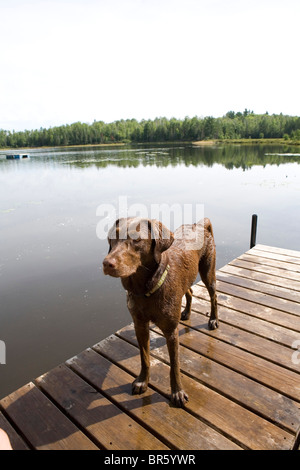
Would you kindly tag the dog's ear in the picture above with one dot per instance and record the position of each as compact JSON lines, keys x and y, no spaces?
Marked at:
{"x":162,"y":238}
{"x":113,"y":232}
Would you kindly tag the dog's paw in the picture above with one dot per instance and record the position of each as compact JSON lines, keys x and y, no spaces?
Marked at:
{"x":185,"y":314}
{"x":139,"y":387}
{"x":213,"y":324}
{"x":179,"y":399}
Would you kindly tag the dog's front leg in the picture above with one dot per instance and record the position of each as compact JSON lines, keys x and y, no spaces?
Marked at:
{"x":142,"y":333}
{"x":178,"y":395}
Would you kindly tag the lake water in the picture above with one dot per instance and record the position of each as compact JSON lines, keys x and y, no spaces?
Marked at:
{"x":54,"y":299}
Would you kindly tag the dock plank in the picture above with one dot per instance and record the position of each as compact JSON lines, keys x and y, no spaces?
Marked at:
{"x":259,"y":298}
{"x":272,"y":405}
{"x":248,"y":270}
{"x":258,"y":286}
{"x":241,"y":360}
{"x":178,"y":429}
{"x":108,"y":426}
{"x":247,"y":307}
{"x":243,"y":379}
{"x":252,"y":263}
{"x":286,"y":258}
{"x":16,"y":440}
{"x":217,"y":410}
{"x":287,"y":269}
{"x":254,"y":325}
{"x":281,"y":251}
{"x":44,"y":425}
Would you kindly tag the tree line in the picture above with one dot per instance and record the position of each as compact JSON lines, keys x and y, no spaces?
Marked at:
{"x":240,"y":125}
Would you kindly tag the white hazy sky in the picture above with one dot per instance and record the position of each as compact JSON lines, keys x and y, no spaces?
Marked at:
{"x":63,"y":61}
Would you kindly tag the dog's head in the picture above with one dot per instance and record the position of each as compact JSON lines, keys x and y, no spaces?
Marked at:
{"x":135,"y":242}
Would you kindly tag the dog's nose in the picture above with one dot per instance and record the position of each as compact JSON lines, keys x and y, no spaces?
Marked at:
{"x":109,"y":264}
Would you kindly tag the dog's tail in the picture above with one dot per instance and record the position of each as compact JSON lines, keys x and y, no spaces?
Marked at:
{"x":208,"y":226}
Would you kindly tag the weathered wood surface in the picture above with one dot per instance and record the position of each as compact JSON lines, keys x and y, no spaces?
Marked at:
{"x":243,"y":379}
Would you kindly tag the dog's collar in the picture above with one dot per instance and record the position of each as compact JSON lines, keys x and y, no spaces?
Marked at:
{"x":160,"y":282}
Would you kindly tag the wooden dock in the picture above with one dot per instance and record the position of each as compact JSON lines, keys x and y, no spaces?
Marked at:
{"x":243,"y":379}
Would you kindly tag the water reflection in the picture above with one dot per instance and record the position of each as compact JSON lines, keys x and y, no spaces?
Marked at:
{"x":229,"y":156}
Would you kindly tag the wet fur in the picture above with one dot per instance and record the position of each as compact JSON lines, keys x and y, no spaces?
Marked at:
{"x":140,"y":263}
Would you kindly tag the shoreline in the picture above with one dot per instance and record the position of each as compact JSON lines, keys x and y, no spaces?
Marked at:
{"x":276,"y":141}
{"x":197,"y":143}
{"x":279,"y":141}
{"x":205,"y":143}
{"x":63,"y":146}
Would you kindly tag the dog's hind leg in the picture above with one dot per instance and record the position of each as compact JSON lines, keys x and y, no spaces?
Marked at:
{"x":208,"y":275}
{"x":186,"y":313}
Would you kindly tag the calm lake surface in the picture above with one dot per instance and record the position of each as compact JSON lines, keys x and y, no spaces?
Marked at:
{"x":54,"y":299}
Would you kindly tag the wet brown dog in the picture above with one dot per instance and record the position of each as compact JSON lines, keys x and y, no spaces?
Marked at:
{"x":157,"y":268}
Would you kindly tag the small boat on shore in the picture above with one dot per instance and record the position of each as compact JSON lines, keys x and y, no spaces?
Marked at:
{"x":19,"y":156}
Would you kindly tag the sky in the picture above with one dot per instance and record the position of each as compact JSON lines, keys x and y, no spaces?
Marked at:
{"x":63,"y":61}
